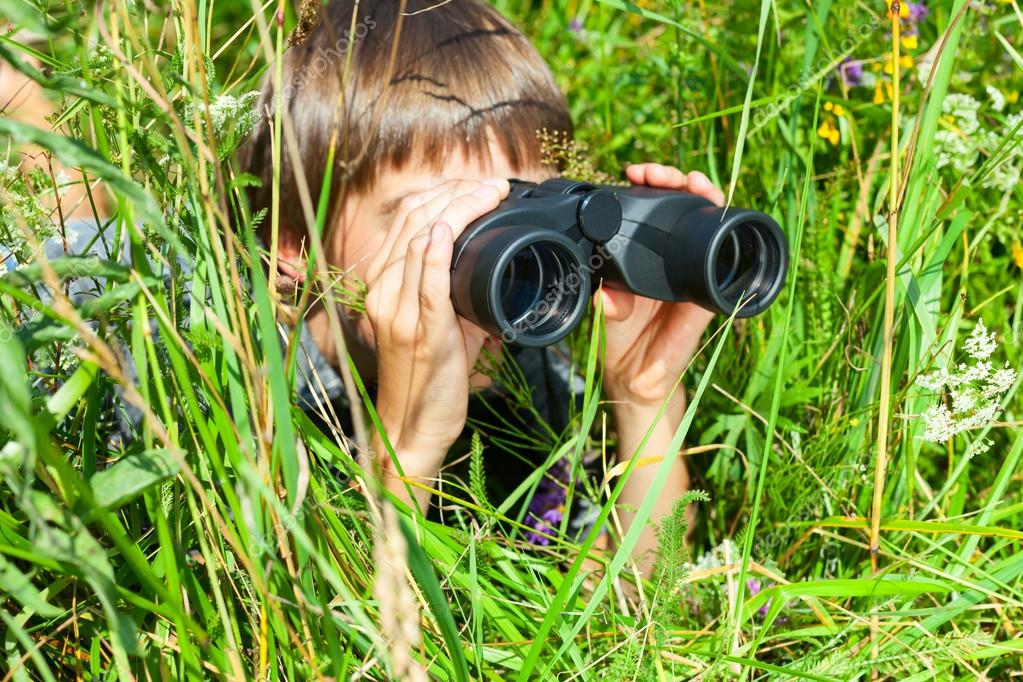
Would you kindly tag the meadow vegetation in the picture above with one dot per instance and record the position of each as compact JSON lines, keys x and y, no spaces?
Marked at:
{"x":858,"y":446}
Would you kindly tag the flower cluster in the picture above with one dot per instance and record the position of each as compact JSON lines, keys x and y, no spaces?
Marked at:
{"x":227,"y":112}
{"x":570,"y":156}
{"x":830,"y":127}
{"x":21,"y":212}
{"x":971,"y":391}
{"x":964,"y":137}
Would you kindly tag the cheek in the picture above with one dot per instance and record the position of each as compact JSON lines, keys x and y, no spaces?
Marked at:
{"x":360,"y":238}
{"x":362,"y":247}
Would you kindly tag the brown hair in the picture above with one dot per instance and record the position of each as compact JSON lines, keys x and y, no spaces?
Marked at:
{"x":427,"y":79}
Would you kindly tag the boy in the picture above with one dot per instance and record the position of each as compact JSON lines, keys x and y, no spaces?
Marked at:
{"x":440,"y":104}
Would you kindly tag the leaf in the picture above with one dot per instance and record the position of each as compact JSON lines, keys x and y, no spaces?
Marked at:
{"x":66,"y":539}
{"x":885,"y":586}
{"x":62,"y":84}
{"x":422,"y":570}
{"x":14,"y":389}
{"x":68,"y":395}
{"x":131,"y":475}
{"x":68,"y":267}
{"x":26,"y":15}
{"x":477,"y":474}
{"x":17,"y":585}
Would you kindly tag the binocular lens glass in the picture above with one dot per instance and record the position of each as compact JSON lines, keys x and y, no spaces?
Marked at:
{"x":538,"y":292}
{"x":531,"y":278}
{"x":739,"y":260}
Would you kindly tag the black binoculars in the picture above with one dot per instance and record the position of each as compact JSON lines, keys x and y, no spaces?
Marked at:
{"x":526,"y":270}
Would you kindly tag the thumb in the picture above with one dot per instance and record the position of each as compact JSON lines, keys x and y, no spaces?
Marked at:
{"x":618,"y":305}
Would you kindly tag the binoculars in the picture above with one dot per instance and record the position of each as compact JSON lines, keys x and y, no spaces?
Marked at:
{"x":526,"y":270}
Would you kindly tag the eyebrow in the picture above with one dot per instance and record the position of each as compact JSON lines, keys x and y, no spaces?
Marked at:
{"x":390,"y":206}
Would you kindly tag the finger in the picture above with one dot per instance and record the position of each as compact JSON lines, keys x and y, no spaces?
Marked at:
{"x":408,"y":204}
{"x":435,"y":309}
{"x":656,"y":175}
{"x":636,"y":173}
{"x":417,"y":211}
{"x":701,"y":185}
{"x":464,"y":209}
{"x":406,"y":314}
{"x":392,"y":261}
{"x":666,"y":177}
{"x":425,"y":214}
{"x":618,"y":305}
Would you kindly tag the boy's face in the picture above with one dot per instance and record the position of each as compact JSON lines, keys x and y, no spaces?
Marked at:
{"x":366,"y":216}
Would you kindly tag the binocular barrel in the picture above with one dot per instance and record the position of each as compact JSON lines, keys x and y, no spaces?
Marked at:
{"x":526,"y":270}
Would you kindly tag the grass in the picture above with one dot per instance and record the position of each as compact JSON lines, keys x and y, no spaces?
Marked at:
{"x":836,"y":541}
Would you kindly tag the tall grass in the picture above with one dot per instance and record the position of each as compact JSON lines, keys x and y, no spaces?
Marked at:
{"x":224,"y":539}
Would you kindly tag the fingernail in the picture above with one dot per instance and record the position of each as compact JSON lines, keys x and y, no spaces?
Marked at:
{"x":439,"y":233}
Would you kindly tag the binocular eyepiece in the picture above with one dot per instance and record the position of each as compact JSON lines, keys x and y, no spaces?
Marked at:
{"x":526,"y":270}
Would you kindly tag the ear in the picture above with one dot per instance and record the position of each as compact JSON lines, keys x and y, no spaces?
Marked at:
{"x":291,"y":253}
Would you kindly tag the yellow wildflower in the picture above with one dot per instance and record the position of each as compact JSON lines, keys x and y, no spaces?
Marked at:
{"x":1012,"y":97}
{"x":829,"y":132}
{"x":909,"y":42}
{"x":1017,"y":254}
{"x":879,"y":94}
{"x":905,"y":61}
{"x":903,"y":8}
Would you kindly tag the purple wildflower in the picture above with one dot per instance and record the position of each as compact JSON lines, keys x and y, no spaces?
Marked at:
{"x":851,"y":72}
{"x":753,"y":585}
{"x":547,"y":508}
{"x":576,"y":27}
{"x":917,"y":11}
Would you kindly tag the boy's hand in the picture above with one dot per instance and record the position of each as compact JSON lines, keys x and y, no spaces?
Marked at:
{"x":424,"y":351}
{"x":650,"y":343}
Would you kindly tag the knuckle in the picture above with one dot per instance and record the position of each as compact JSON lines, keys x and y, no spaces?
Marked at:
{"x":419,"y":215}
{"x":428,"y":299}
{"x":401,"y":332}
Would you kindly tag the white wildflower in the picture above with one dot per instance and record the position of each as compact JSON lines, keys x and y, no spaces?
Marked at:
{"x":934,"y":381}
{"x":61,"y":181}
{"x":979,"y":419}
{"x":938,"y":424}
{"x":1003,"y":177}
{"x":228,"y":110}
{"x":999,"y":382}
{"x":963,"y":109}
{"x":978,"y":447}
{"x":965,"y":400}
{"x":719,"y":556}
{"x":966,"y":374}
{"x":955,"y":150}
{"x":981,"y":343}
{"x":997,"y":98}
{"x":972,"y":392}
